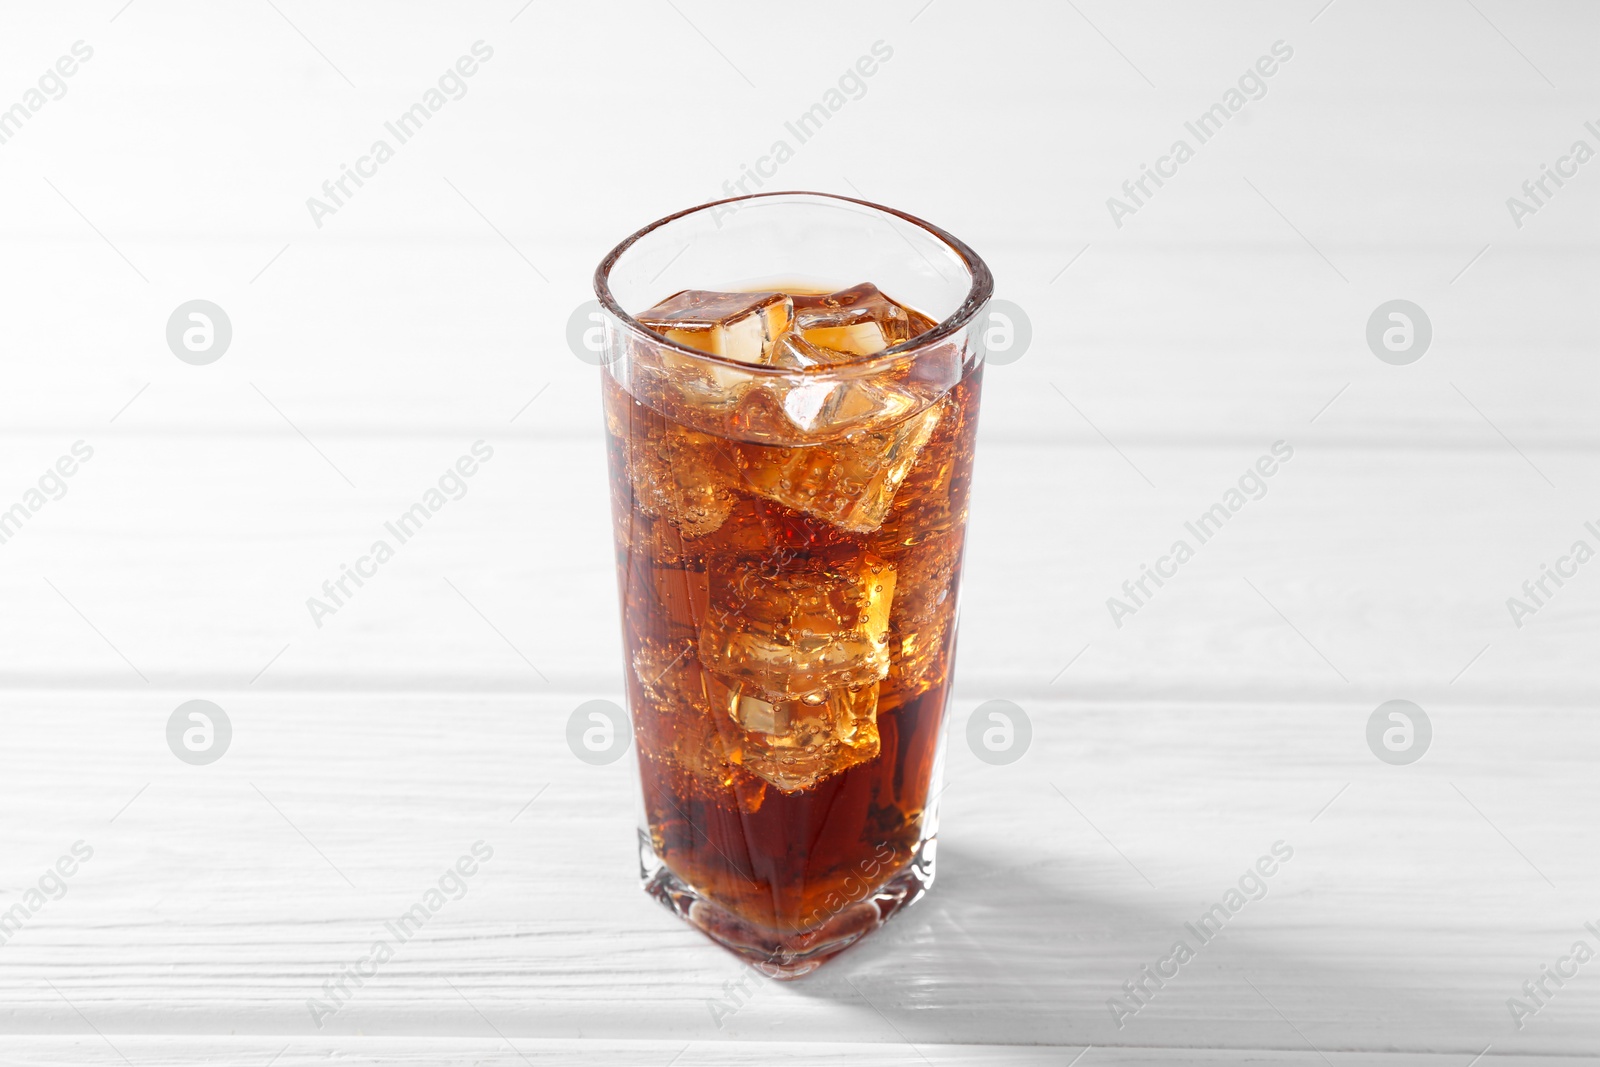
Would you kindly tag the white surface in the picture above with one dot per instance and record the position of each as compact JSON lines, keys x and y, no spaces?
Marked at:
{"x":1188,"y":741}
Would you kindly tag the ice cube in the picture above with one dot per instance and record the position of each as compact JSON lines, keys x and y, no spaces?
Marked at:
{"x":685,"y":477}
{"x":800,"y":627}
{"x":794,"y":352}
{"x":737,"y":326}
{"x":926,"y":578}
{"x":835,"y":407}
{"x":677,"y":728}
{"x":822,"y":406}
{"x":760,"y":713}
{"x":795,"y":743}
{"x":921,"y":657}
{"x":850,"y":482}
{"x":858,"y":321}
{"x":703,"y":748}
{"x":822,"y":717}
{"x":743,"y":327}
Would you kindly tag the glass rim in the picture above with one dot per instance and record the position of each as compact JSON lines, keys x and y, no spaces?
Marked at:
{"x":978,"y":293}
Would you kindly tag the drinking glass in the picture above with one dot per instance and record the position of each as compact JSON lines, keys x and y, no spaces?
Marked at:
{"x":788,"y":544}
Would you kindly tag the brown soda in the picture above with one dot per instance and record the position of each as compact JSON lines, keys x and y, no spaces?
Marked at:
{"x":789,"y":624}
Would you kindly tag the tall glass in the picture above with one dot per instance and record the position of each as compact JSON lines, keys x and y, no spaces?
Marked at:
{"x":789,"y":550}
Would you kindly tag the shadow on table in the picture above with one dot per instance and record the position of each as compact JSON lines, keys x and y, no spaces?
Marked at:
{"x":1008,"y":953}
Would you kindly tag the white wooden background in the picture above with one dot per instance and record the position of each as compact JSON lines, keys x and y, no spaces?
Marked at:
{"x":1167,"y":355}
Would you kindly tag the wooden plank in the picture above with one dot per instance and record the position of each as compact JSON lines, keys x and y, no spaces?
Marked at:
{"x":462,"y":1052}
{"x":1170,"y":752}
{"x":1415,"y":903}
{"x":1362,"y":574}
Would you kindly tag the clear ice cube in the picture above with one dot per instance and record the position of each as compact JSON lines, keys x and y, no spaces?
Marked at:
{"x":858,"y":321}
{"x":801,"y":627}
{"x":743,"y":327}
{"x":835,"y":407}
{"x":850,"y":482}
{"x":737,"y":326}
{"x":822,"y":405}
{"x":793,"y":744}
{"x":794,"y":352}
{"x":684,"y":477}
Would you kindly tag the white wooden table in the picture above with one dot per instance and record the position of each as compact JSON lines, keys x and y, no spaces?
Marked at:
{"x":429,"y":713}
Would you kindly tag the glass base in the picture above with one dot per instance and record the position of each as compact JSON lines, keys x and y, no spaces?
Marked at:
{"x":779,"y":955}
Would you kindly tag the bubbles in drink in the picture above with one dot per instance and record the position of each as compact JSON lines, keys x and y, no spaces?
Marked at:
{"x":790,"y":520}
{"x":850,"y":483}
{"x":685,"y":478}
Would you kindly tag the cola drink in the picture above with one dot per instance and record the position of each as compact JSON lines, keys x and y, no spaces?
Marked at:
{"x":789,"y":607}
